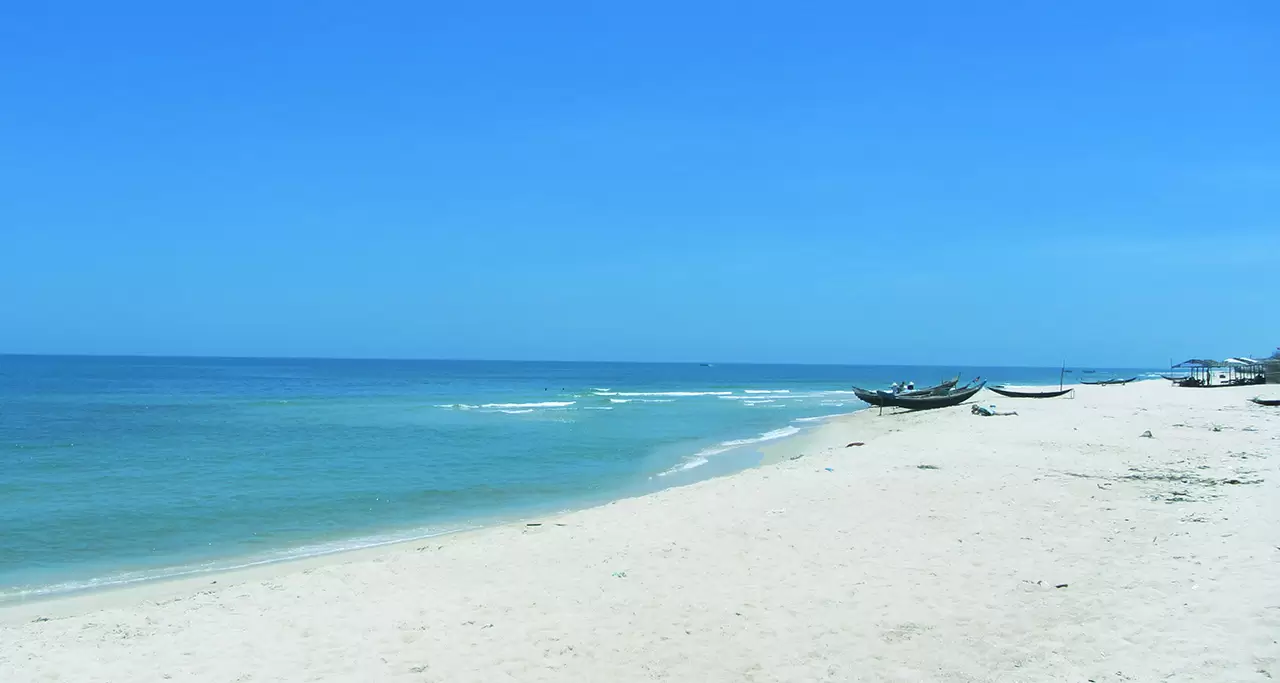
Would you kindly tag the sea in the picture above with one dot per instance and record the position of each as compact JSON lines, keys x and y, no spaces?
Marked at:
{"x":115,"y":470}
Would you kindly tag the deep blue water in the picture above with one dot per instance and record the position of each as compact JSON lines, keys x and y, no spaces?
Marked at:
{"x":118,"y":469}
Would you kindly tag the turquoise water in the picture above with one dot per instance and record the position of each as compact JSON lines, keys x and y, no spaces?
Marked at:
{"x":124,"y":469}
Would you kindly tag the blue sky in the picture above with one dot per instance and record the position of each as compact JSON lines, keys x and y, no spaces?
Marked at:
{"x":975,"y":182}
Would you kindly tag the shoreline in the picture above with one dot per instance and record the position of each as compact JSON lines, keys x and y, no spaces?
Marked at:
{"x":231,"y":565}
{"x":154,"y":588}
{"x":772,"y":452}
{"x":1057,"y":544}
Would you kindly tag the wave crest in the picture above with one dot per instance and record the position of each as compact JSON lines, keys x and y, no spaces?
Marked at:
{"x":700,"y":458}
{"x":677,"y":394}
{"x":543,"y":404}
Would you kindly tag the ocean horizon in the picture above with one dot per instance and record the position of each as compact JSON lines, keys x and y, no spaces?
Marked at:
{"x":120,"y":469}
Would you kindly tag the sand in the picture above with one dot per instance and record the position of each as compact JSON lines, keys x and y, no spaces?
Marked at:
{"x":1055,"y":545}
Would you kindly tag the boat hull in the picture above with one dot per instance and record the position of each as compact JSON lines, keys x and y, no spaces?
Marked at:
{"x":878,"y":398}
{"x":1013,"y":393}
{"x":930,"y":402}
{"x":872,"y":397}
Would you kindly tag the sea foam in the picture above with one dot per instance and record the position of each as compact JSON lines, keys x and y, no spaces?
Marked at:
{"x":544,"y":404}
{"x":677,"y":394}
{"x":700,"y":458}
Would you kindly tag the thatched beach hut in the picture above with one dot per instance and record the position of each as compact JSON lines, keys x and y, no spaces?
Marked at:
{"x":1217,"y":373}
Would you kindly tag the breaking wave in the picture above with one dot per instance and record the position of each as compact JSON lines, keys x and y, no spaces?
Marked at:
{"x":544,"y":404}
{"x":677,"y":394}
{"x":700,"y":458}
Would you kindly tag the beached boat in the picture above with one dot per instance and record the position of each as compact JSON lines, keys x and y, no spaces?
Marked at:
{"x":872,"y":397}
{"x":1015,"y":393}
{"x":951,"y":398}
{"x":1176,"y":378}
{"x":1108,"y":382}
{"x":933,"y":390}
{"x":882,"y":397}
{"x":877,"y":398}
{"x":1273,"y":402}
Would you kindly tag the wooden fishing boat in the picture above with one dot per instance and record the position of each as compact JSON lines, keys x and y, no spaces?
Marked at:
{"x":951,"y":398}
{"x":1109,"y":382}
{"x":876,"y":398}
{"x":934,"y":390}
{"x":1272,"y":402}
{"x":872,"y":397}
{"x":1015,"y":393}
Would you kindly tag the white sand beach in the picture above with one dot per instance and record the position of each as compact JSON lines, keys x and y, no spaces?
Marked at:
{"x":1055,"y":545}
